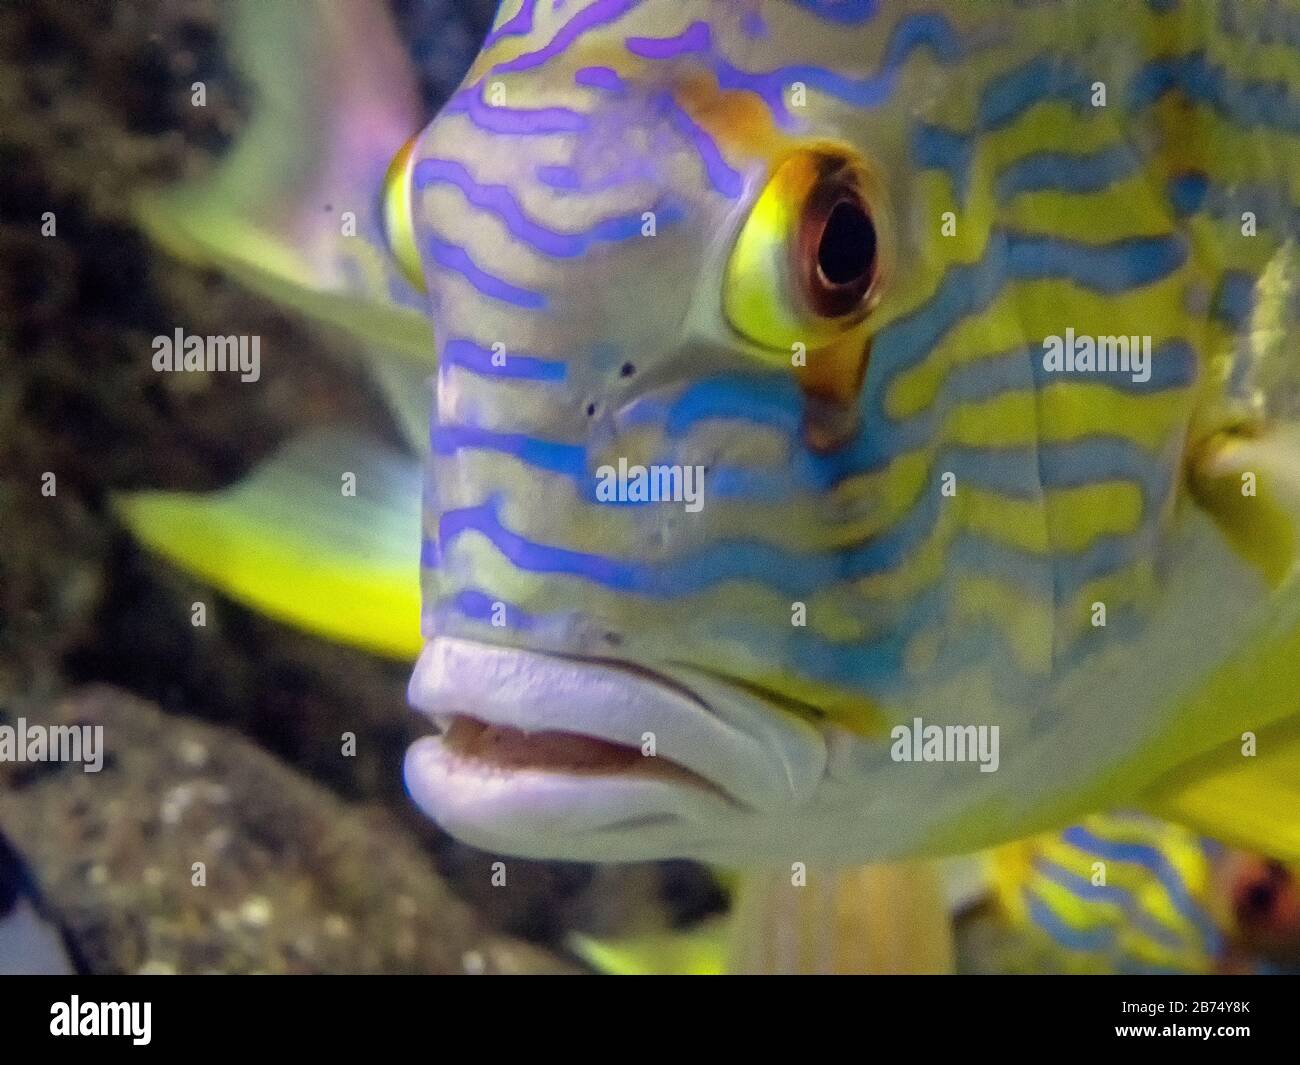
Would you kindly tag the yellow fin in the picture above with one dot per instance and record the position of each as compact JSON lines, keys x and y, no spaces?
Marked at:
{"x":698,"y":951}
{"x":289,"y":541}
{"x":1250,"y":801}
{"x":875,"y":919}
{"x":1249,"y":482}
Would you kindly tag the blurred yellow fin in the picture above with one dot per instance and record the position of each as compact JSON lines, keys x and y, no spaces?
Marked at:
{"x":698,"y":951}
{"x":1249,"y":800}
{"x":1250,"y":484}
{"x":290,"y":541}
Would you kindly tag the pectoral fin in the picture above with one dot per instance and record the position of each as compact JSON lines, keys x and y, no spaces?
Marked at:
{"x":1249,"y":483}
{"x":1246,"y":793}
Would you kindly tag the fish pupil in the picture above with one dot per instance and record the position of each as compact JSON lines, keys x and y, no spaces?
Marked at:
{"x":846,"y":252}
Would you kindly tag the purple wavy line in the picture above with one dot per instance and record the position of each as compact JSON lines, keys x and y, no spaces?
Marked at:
{"x":697,"y":37}
{"x":721,"y":176}
{"x":469,"y":101}
{"x":454,"y":257}
{"x":501,"y":202}
{"x":520,"y":24}
{"x":600,"y":13}
{"x":477,"y":359}
{"x":600,"y":78}
{"x":527,"y":555}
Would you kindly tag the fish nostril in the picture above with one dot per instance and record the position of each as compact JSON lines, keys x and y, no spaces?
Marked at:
{"x":591,"y":410}
{"x":628,"y":370}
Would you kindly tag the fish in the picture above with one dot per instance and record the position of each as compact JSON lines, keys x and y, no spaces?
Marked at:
{"x":950,"y":584}
{"x":1123,"y":893}
{"x":1117,"y":893}
{"x":1128,"y":893}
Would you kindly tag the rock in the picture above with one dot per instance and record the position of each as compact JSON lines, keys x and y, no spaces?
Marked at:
{"x":192,"y":851}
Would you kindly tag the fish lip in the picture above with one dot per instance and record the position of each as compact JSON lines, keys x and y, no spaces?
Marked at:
{"x":754,"y":756}
{"x":544,"y":814}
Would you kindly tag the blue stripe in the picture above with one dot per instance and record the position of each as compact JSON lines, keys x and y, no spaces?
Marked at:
{"x":476,"y":605}
{"x":848,"y":12}
{"x":934,"y":147}
{"x":1149,"y":858}
{"x":1042,"y":79}
{"x":1187,"y":193}
{"x":800,"y":573}
{"x":1084,"y":889}
{"x":455,"y":258}
{"x":501,"y":203}
{"x":1243,"y":101}
{"x":1088,"y":941}
{"x":513,"y":120}
{"x":930,"y":32}
{"x":568,"y":460}
{"x":1067,"y":171}
{"x":969,"y":289}
{"x":721,"y":175}
{"x":1234,"y":299}
{"x":470,"y":356}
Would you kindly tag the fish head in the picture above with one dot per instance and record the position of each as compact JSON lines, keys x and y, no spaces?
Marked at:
{"x":640,"y":280}
{"x":742,"y":457}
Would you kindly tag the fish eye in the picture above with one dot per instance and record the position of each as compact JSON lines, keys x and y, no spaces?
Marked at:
{"x":841,"y":256}
{"x":1259,"y":900}
{"x":808,"y":263}
{"x":1258,"y":896}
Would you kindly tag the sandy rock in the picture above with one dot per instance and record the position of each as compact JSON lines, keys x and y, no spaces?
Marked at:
{"x":297,"y":880}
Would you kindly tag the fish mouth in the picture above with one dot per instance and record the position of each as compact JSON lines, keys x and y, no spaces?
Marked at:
{"x":556,"y":756}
